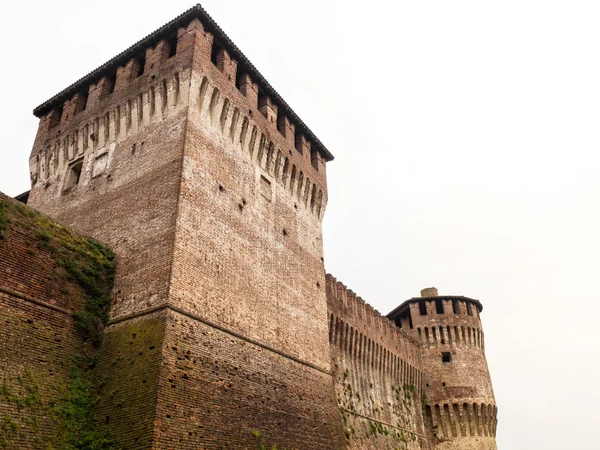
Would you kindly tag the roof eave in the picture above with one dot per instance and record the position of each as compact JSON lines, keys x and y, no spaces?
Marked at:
{"x":166,"y":30}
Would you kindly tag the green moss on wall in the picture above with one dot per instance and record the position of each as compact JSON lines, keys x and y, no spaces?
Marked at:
{"x":127,"y":380}
{"x":84,"y":270}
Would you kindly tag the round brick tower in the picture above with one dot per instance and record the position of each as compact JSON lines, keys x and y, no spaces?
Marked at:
{"x":460,"y":408}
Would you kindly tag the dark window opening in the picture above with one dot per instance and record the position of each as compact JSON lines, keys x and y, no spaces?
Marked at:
{"x":172,"y":46}
{"x":469,"y":309}
{"x":74,"y":174}
{"x":446,"y":357}
{"x":455,"y":306}
{"x":214,"y":52}
{"x":439,"y":306}
{"x":84,"y":101}
{"x":238,"y":79}
{"x":298,"y":143}
{"x":111,"y":83}
{"x":55,"y":116}
{"x":422,"y":308}
{"x":142,"y":62}
{"x":281,"y":125}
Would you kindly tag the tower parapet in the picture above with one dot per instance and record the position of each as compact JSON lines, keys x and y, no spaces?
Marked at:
{"x":377,"y":373}
{"x":460,"y":407}
{"x":211,"y":190}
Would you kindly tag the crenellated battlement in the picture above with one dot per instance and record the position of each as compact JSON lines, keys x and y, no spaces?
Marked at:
{"x":232,"y":99}
{"x":180,"y":156}
{"x":454,"y":420}
{"x":230,"y":116}
{"x":358,"y":328}
{"x":89,"y":135}
{"x":377,"y":371}
{"x":146,"y":55}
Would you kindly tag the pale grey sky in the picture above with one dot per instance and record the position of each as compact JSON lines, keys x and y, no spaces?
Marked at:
{"x":466,"y":136}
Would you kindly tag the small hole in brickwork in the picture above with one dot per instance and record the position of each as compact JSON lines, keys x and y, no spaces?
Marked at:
{"x":143,"y":381}
{"x":322,"y":260}
{"x":427,"y":385}
{"x":240,"y":207}
{"x":107,"y":419}
{"x":29,"y":321}
{"x":295,"y":206}
{"x":151,"y":347}
{"x":221,"y":188}
{"x":168,"y":416}
{"x":153,"y":77}
{"x":249,"y":112}
{"x":318,"y":284}
{"x":284,"y":232}
{"x":244,"y":201}
{"x":92,"y":137}
{"x":133,"y":149}
{"x":444,"y":384}
{"x":446,"y":357}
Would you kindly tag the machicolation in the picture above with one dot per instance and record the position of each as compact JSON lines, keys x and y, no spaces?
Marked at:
{"x":198,"y":313}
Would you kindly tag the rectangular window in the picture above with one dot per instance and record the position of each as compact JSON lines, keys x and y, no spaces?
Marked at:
{"x":265,"y":188}
{"x":74,"y":174}
{"x":446,"y":357}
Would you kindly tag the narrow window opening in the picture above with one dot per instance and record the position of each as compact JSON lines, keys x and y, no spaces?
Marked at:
{"x":314,"y":159}
{"x":215,"y":51}
{"x":111,"y":83}
{"x":281,"y":125}
{"x":469,"y":309}
{"x":84,"y":101}
{"x":446,"y":357}
{"x":142,"y":60}
{"x":74,"y":175}
{"x":238,"y":79}
{"x":172,"y":46}
{"x":439,"y":306}
{"x":422,"y":308}
{"x":455,"y":306}
{"x":298,"y":143}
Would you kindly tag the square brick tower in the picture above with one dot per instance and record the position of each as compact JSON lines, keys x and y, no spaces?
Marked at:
{"x":211,"y":190}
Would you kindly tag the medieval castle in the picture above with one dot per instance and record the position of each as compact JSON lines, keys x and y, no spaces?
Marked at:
{"x":213,"y":324}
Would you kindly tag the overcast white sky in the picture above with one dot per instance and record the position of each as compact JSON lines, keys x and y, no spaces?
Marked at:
{"x":466,"y":136}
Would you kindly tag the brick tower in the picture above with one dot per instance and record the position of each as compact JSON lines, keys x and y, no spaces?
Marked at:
{"x":460,"y":408}
{"x":211,"y":190}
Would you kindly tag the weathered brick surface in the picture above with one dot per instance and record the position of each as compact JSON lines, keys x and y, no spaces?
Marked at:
{"x":130,"y":362}
{"x":211,"y":210}
{"x":218,"y":390}
{"x":378,"y":375}
{"x":37,"y":337}
{"x":460,"y":406}
{"x":127,"y":193}
{"x":224,"y":331}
